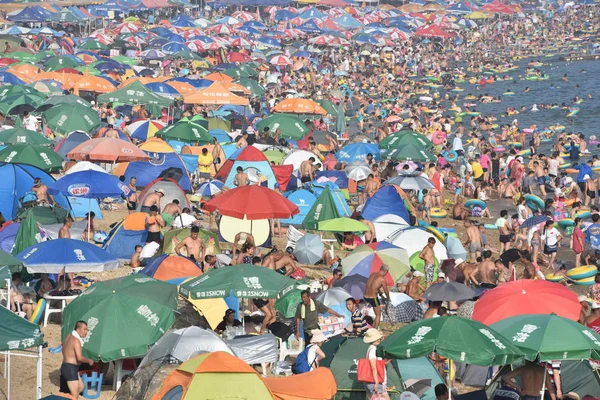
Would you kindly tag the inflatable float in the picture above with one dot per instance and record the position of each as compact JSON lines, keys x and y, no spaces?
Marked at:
{"x":585,"y":271}
{"x":534,"y":202}
{"x":438,"y":213}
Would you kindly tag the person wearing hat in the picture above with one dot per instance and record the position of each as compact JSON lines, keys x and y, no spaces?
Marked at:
{"x":585,"y":306}
{"x":229,"y":320}
{"x":373,"y":337}
{"x":315,"y":354}
{"x":240,"y":240}
{"x":152,"y":199}
{"x":41,"y":192}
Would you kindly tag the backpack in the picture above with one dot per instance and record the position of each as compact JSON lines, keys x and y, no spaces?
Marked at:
{"x":301,"y":366}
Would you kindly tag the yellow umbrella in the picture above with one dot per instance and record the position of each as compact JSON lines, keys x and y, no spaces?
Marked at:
{"x":476,"y":15}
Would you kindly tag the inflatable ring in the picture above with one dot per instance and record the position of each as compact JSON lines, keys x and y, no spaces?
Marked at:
{"x":534,"y":202}
{"x":564,"y":166}
{"x":515,"y":144}
{"x":423,"y":224}
{"x":596,"y":168}
{"x":36,"y":317}
{"x":451,"y":156}
{"x":585,"y":271}
{"x":475,"y":203}
{"x":571,"y":171}
{"x":554,"y":278}
{"x":436,"y":232}
{"x":586,"y":281}
{"x":499,"y":149}
{"x":438,"y":213}
{"x":438,"y":138}
{"x":425,"y":98}
{"x":526,"y":152}
{"x":566,"y":222}
{"x":584,"y":214}
{"x":490,"y":227}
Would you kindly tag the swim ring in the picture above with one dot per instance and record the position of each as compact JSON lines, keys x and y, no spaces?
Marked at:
{"x":438,"y":137}
{"x":451,"y":156}
{"x":499,"y":149}
{"x":534,"y":202}
{"x":554,"y":278}
{"x":490,"y":226}
{"x":564,"y":166}
{"x":475,"y":203}
{"x":526,"y":152}
{"x":36,"y":317}
{"x":438,"y":213}
{"x":425,"y":98}
{"x":515,"y":144}
{"x":436,"y":232}
{"x":584,"y":214}
{"x":586,"y":281}
{"x":566,"y":222}
{"x":423,"y":224}
{"x":585,"y":271}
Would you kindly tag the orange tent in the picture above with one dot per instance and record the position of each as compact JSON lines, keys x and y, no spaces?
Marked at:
{"x":299,"y":106}
{"x":135,"y":221}
{"x":216,"y":94}
{"x":182,"y":87}
{"x":317,"y":384}
{"x":218,"y":76}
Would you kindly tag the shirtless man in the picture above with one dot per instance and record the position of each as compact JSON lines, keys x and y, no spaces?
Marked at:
{"x":153,"y":199}
{"x":375,"y":285}
{"x":153,"y":223}
{"x":532,"y":381}
{"x":466,"y":271}
{"x":487,"y":272}
{"x":280,"y":262}
{"x":306,"y":172}
{"x":17,"y":297}
{"x":460,"y":212}
{"x":590,"y":190}
{"x":135,"y":258}
{"x":133,"y":196}
{"x":65,"y":230}
{"x":240,"y":239}
{"x":428,"y":257}
{"x":412,"y":288}
{"x":194,"y":245}
{"x":473,"y":240}
{"x":371,"y":187}
{"x":111,"y":132}
{"x":426,"y":206}
{"x":510,"y":190}
{"x":504,"y":230}
{"x":432,"y":310}
{"x":41,"y":192}
{"x":171,"y":211}
{"x":242,"y":141}
{"x":73,"y":357}
{"x":241,"y":178}
{"x":370,"y":236}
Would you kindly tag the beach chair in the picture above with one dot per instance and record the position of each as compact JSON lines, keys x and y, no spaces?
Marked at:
{"x":293,"y":235}
{"x":286,"y":347}
{"x":92,"y":382}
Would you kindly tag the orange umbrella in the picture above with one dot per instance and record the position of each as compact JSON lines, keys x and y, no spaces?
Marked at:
{"x":182,"y":87}
{"x":236,"y":87}
{"x":143,"y":80}
{"x":93,"y":84}
{"x":218,"y":76}
{"x":24,"y":77}
{"x":29,"y":70}
{"x":299,"y":106}
{"x":68,"y":80}
{"x":107,"y":150}
{"x":216,"y":93}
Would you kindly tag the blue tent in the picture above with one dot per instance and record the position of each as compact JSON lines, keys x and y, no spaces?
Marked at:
{"x":310,"y":26}
{"x":340,"y":178}
{"x":184,"y":21}
{"x":459,"y":8}
{"x":220,"y":135}
{"x":386,"y":200}
{"x":8,"y":235}
{"x":346,"y":21}
{"x":160,"y":163}
{"x":251,"y":160}
{"x":110,"y":5}
{"x":304,"y":200}
{"x":31,"y":14}
{"x":121,"y":241}
{"x":17,"y":180}
{"x":312,"y":12}
{"x":68,"y":143}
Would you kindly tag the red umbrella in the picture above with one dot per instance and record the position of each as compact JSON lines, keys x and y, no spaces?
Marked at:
{"x":107,"y":150}
{"x":252,"y":202}
{"x":526,"y":297}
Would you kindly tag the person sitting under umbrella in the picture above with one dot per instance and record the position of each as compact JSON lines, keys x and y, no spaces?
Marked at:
{"x":229,"y":320}
{"x":284,"y":263}
{"x":20,"y":301}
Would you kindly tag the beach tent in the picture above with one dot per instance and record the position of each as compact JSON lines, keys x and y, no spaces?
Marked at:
{"x":172,"y":191}
{"x":69,"y":142}
{"x":304,"y":200}
{"x":8,"y":233}
{"x":166,"y":268}
{"x":173,"y":237}
{"x":338,"y":197}
{"x":316,"y":384}
{"x":125,"y":235}
{"x":413,"y":240}
{"x":253,"y":161}
{"x":420,"y":368}
{"x":335,"y":176}
{"x":387,"y":200}
{"x":323,"y":208}
{"x":161,"y":165}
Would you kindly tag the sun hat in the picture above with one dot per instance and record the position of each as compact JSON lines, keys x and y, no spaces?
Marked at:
{"x":317,"y":336}
{"x":162,"y":191}
{"x":372,"y":335}
{"x":418,"y":274}
{"x":595,"y":305}
{"x":243,"y":238}
{"x":581,"y":298}
{"x":458,"y":261}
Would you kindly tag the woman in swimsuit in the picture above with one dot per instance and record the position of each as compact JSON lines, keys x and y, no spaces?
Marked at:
{"x":248,"y":251}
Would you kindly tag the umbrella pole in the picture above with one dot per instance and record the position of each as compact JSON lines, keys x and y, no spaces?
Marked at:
{"x":449,"y":379}
{"x":39,"y":373}
{"x":8,"y":375}
{"x":89,"y":220}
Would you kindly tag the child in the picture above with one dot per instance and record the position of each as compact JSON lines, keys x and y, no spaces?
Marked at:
{"x":426,"y":206}
{"x":135,"y":258}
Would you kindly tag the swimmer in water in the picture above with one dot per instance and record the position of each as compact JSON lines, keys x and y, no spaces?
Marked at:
{"x":565,"y":78}
{"x":534,"y":108}
{"x":527,"y":90}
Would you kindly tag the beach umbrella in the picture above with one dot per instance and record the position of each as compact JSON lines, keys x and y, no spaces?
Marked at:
{"x":93,"y":45}
{"x":342,"y":224}
{"x":186,"y":131}
{"x":61,"y":62}
{"x":358,"y":152}
{"x":143,"y":129}
{"x":38,"y":156}
{"x":402,"y":138}
{"x":63,"y":99}
{"x":16,"y":333}
{"x":291,"y":127}
{"x":281,"y":60}
{"x":242,"y":281}
{"x":48,"y":87}
{"x":288,"y":304}
{"x":543,"y":337}
{"x":534,"y":221}
{"x":309,"y":249}
{"x":89,"y":184}
{"x":455,"y":248}
{"x":449,"y":291}
{"x":333,"y":297}
{"x":152,"y":54}
{"x":252,"y":203}
{"x":452,"y":337}
{"x":107,"y":150}
{"x":12,"y":90}
{"x":253,"y":86}
{"x":210,"y":188}
{"x":18,"y":104}
{"x":411,"y":181}
{"x":64,"y":118}
{"x":410,"y":152}
{"x":68,"y":255}
{"x":125,"y":316}
{"x":22,"y":136}
{"x":526,"y":296}
{"x":358,"y":171}
{"x":367,"y":259}
{"x":299,"y":106}
{"x":353,"y":284}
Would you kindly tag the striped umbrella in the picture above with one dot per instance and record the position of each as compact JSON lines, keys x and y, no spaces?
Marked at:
{"x":144,"y":129}
{"x":281,"y":60}
{"x":368,"y":258}
{"x":210,"y":188}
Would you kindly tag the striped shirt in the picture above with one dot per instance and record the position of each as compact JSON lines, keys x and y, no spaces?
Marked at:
{"x":359,"y":325}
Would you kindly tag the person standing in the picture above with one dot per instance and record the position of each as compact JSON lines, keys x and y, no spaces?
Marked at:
{"x":428,"y":257}
{"x":551,"y":236}
{"x":532,"y":381}
{"x":375,"y":285}
{"x":577,"y":242}
{"x":205,"y":161}
{"x":308,"y":312}
{"x":72,"y":352}
{"x":373,"y":337}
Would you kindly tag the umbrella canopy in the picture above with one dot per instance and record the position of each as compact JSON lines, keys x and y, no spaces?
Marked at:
{"x":252,"y":203}
{"x":107,"y":150}
{"x":402,"y":138}
{"x":11,"y":262}
{"x":17,"y":333}
{"x":534,"y":221}
{"x":64,"y":99}
{"x":291,"y":127}
{"x":38,"y":156}
{"x":144,"y":129}
{"x":210,"y":188}
{"x":526,"y":297}
{"x":367,"y":259}
{"x":242,"y":281}
{"x":357,"y":152}
{"x":353,"y":284}
{"x":186,"y":131}
{"x":299,"y":106}
{"x":65,"y":118}
{"x":89,"y":184}
{"x":334,"y":296}
{"x":410,"y":152}
{"x":449,"y":291}
{"x":543,"y":337}
{"x":342,"y":224}
{"x":411,"y":182}
{"x":453,"y":337}
{"x":358,"y":171}
{"x":288,"y":304}
{"x":309,"y":249}
{"x":70,"y":255}
{"x":455,"y":248}
{"x":125,"y":316}
{"x":18,"y":104}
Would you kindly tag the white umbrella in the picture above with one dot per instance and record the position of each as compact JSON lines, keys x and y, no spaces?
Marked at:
{"x":412,"y":181}
{"x":358,"y":171}
{"x":334,"y":296}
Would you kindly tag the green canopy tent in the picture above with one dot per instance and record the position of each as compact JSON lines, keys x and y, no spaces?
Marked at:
{"x":66,"y":16}
{"x":14,"y":90}
{"x":135,"y":93}
{"x":323,"y":209}
{"x":18,"y":338}
{"x":59,"y":62}
{"x":94,"y":45}
{"x":291,"y":127}
{"x":187,"y":132}
{"x":38,"y":156}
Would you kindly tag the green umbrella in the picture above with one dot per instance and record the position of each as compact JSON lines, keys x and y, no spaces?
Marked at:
{"x":21,"y":135}
{"x":402,"y":138}
{"x":22,"y":55}
{"x":125,"y":316}
{"x":340,"y":121}
{"x":68,"y":99}
{"x":547,"y":337}
{"x":256,"y":88}
{"x":249,"y":69}
{"x":291,"y":126}
{"x":17,"y":333}
{"x":135,"y":93}
{"x":60,"y":62}
{"x":20,"y":103}
{"x":186,"y":131}
{"x":65,"y":118}
{"x":456,"y":338}
{"x":410,"y":152}
{"x":236,"y":73}
{"x":125,"y":60}
{"x":65,"y":16}
{"x":342,"y":224}
{"x":328,"y":106}
{"x":288,"y":304}
{"x":93,"y":45}
{"x":38,"y":156}
{"x":185,"y":55}
{"x":14,"y":90}
{"x":9,"y":261}
{"x":243,"y":281}
{"x":89,"y":69}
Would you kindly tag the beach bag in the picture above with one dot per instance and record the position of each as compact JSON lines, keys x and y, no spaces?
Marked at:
{"x":301,"y":366}
{"x":364,"y":372}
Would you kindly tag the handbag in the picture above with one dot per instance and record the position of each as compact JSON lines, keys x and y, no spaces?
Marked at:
{"x":365,"y":371}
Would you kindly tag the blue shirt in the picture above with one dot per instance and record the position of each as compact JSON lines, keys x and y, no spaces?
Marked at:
{"x":592,"y":236}
{"x":584,"y":170}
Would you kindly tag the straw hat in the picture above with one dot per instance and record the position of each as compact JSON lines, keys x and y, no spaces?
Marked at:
{"x":372,"y":335}
{"x":317,"y":336}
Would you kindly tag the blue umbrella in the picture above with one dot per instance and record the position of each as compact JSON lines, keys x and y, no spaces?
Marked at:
{"x":535,"y":220}
{"x":284,"y":15}
{"x":455,"y":248}
{"x":301,"y":53}
{"x":270,"y":42}
{"x":255,"y":25}
{"x":309,"y":249}
{"x":68,"y":255}
{"x":363,"y":38}
{"x":162,"y":89}
{"x":111,"y":66}
{"x":249,"y":30}
{"x":158,"y":42}
{"x":89,"y":185}
{"x":220,"y":135}
{"x":173,"y":47}
{"x":210,"y":188}
{"x":353,"y":284}
{"x":358,"y":152}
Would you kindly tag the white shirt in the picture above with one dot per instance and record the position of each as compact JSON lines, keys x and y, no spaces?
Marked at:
{"x":30,"y":123}
{"x":553,"y":167}
{"x":149,"y":250}
{"x":522,"y":211}
{"x":551,"y":236}
{"x":184,"y":220}
{"x":457,"y":144}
